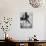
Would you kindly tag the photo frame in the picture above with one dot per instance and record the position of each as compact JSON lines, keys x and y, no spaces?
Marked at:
{"x":26,"y":20}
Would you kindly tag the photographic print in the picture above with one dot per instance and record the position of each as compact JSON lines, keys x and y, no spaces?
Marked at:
{"x":26,"y":20}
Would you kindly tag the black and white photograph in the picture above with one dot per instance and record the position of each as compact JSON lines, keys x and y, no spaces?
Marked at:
{"x":26,"y":20}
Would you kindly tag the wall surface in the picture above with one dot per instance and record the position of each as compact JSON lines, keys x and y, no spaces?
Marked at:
{"x":13,"y":8}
